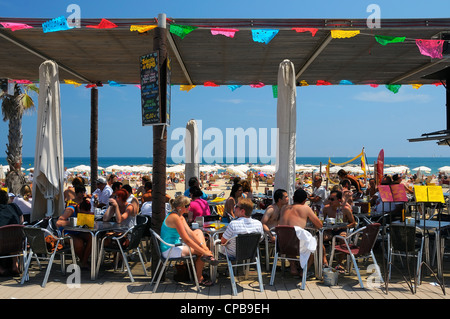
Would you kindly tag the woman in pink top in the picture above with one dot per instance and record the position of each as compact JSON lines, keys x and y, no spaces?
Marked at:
{"x":199,"y":206}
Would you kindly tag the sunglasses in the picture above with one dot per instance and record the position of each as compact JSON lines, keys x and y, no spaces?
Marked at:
{"x":187,"y":206}
{"x":237,"y":206}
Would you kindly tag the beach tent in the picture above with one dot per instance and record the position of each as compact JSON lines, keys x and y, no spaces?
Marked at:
{"x":192,"y":158}
{"x":286,"y":126}
{"x":48,"y":179}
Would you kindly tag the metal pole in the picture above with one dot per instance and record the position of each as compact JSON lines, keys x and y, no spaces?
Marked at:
{"x":94,"y":139}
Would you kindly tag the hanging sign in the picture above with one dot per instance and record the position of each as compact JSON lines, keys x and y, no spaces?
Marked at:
{"x":154,"y":87}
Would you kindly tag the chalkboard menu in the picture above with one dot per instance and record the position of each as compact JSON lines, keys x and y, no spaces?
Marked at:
{"x":155,"y":86}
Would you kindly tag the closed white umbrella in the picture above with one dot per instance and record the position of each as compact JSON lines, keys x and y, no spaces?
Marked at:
{"x":48,"y":179}
{"x":192,"y":158}
{"x":286,"y":125}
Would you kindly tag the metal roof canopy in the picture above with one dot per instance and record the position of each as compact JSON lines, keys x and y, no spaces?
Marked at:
{"x":90,"y":55}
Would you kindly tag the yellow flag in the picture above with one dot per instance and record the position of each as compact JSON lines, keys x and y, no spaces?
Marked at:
{"x":72,"y":82}
{"x":416,"y":86}
{"x":142,"y":28}
{"x":186,"y":88}
{"x":303,"y":83}
{"x":339,"y":34}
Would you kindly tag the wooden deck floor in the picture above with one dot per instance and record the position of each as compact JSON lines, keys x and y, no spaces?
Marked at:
{"x":116,"y":285}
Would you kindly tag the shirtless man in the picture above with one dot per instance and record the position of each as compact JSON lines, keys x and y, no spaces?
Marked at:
{"x":298,"y":215}
{"x":272,"y":213}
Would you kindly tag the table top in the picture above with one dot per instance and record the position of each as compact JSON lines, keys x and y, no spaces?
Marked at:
{"x":98,"y":226}
{"x":207,"y":227}
{"x":428,"y":223}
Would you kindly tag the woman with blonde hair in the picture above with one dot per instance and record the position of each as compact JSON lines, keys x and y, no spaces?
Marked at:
{"x":175,"y":227}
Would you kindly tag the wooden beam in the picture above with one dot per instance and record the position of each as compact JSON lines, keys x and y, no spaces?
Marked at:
{"x":315,"y":54}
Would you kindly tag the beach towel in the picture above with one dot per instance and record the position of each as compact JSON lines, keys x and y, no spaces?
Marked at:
{"x":308,"y":245}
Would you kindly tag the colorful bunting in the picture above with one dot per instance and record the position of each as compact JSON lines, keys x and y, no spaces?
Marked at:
{"x":384,"y":39}
{"x":374,"y":85}
{"x":234,"y":87}
{"x":142,"y":28}
{"x":21,"y":81}
{"x":257,"y":85}
{"x":275,"y":91}
{"x":15,"y":26}
{"x":416,"y":86}
{"x":339,"y":34}
{"x":114,"y":83}
{"x":138,"y":86}
{"x":104,"y":24}
{"x":181,"y":30}
{"x":432,"y":48}
{"x":322,"y":82}
{"x":209,"y":83}
{"x":92,"y":85}
{"x":76,"y":84}
{"x":186,"y":88}
{"x":303,"y":83}
{"x":393,"y":87}
{"x":312,"y":30}
{"x":57,"y":24}
{"x":264,"y":35}
{"x":345,"y":82}
{"x":226,"y":32}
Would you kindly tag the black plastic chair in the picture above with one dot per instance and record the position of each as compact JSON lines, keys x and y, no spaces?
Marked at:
{"x":12,"y":242}
{"x":247,"y":253}
{"x":123,"y":244}
{"x":406,"y":241}
{"x":36,"y":240}
{"x":164,"y":262}
{"x":287,"y":244}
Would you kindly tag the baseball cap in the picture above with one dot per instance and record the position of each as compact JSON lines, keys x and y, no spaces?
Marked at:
{"x":101,"y":180}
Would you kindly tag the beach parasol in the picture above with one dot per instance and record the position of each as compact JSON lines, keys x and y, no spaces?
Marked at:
{"x":286,"y":126}
{"x":444,"y":169}
{"x":192,"y":158}
{"x":422,"y":168}
{"x":48,"y":188}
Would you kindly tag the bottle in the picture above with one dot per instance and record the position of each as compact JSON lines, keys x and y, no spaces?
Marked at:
{"x":321,"y":215}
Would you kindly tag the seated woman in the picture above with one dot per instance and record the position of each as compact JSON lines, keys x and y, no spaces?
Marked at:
{"x":24,"y":202}
{"x":175,"y":227}
{"x":82,"y":241}
{"x":235,"y":195}
{"x":123,"y":212}
{"x":199,"y":207}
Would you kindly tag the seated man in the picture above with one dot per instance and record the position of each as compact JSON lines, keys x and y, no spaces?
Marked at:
{"x":243,"y":224}
{"x":298,"y":214}
{"x":319,"y":194}
{"x":272,"y":213}
{"x":102,"y":194}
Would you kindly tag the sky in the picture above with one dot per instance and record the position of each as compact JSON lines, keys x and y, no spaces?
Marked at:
{"x":332,"y":121}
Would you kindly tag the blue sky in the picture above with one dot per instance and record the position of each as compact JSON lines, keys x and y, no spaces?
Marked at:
{"x":331,"y":120}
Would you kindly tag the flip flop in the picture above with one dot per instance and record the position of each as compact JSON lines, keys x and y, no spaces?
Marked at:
{"x":210,"y":259}
{"x":206,"y":283}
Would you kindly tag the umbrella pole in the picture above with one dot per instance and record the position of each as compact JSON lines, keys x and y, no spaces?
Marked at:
{"x":49,"y":207}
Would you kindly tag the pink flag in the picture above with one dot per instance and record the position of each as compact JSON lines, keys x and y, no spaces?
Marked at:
{"x":258,"y":85}
{"x":374,"y":85}
{"x":432,"y":48}
{"x":15,"y":26}
{"x":312,"y":30}
{"x":104,"y":24}
{"x":22,"y":81}
{"x":226,"y":32}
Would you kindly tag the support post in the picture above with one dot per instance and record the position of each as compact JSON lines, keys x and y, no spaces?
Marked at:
{"x":159,"y":140}
{"x":94,"y":139}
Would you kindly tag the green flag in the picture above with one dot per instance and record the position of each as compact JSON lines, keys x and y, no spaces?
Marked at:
{"x":385,"y":39}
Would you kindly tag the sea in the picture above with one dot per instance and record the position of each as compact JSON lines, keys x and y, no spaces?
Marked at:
{"x":434,"y":163}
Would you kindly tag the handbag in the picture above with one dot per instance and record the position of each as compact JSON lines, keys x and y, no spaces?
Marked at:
{"x":182,"y":272}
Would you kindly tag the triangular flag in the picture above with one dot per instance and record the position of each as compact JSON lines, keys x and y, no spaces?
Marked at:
{"x":432,"y":48}
{"x":234,"y":87}
{"x":339,"y":34}
{"x":303,"y":83}
{"x":104,"y":24}
{"x":209,"y":83}
{"x":384,"y":39}
{"x":142,"y":28}
{"x":416,"y":86}
{"x":258,"y":85}
{"x":226,"y":32}
{"x":76,"y":84}
{"x":138,"y":86}
{"x":312,"y":30}
{"x":114,"y":83}
{"x":374,"y":85}
{"x":181,"y":30}
{"x":186,"y":88}
{"x":393,"y":87}
{"x":264,"y":35}
{"x":322,"y":82}
{"x":345,"y":82}
{"x":275,"y":91}
{"x":15,"y":26}
{"x":22,"y":81}
{"x":92,"y":85}
{"x":57,"y":24}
